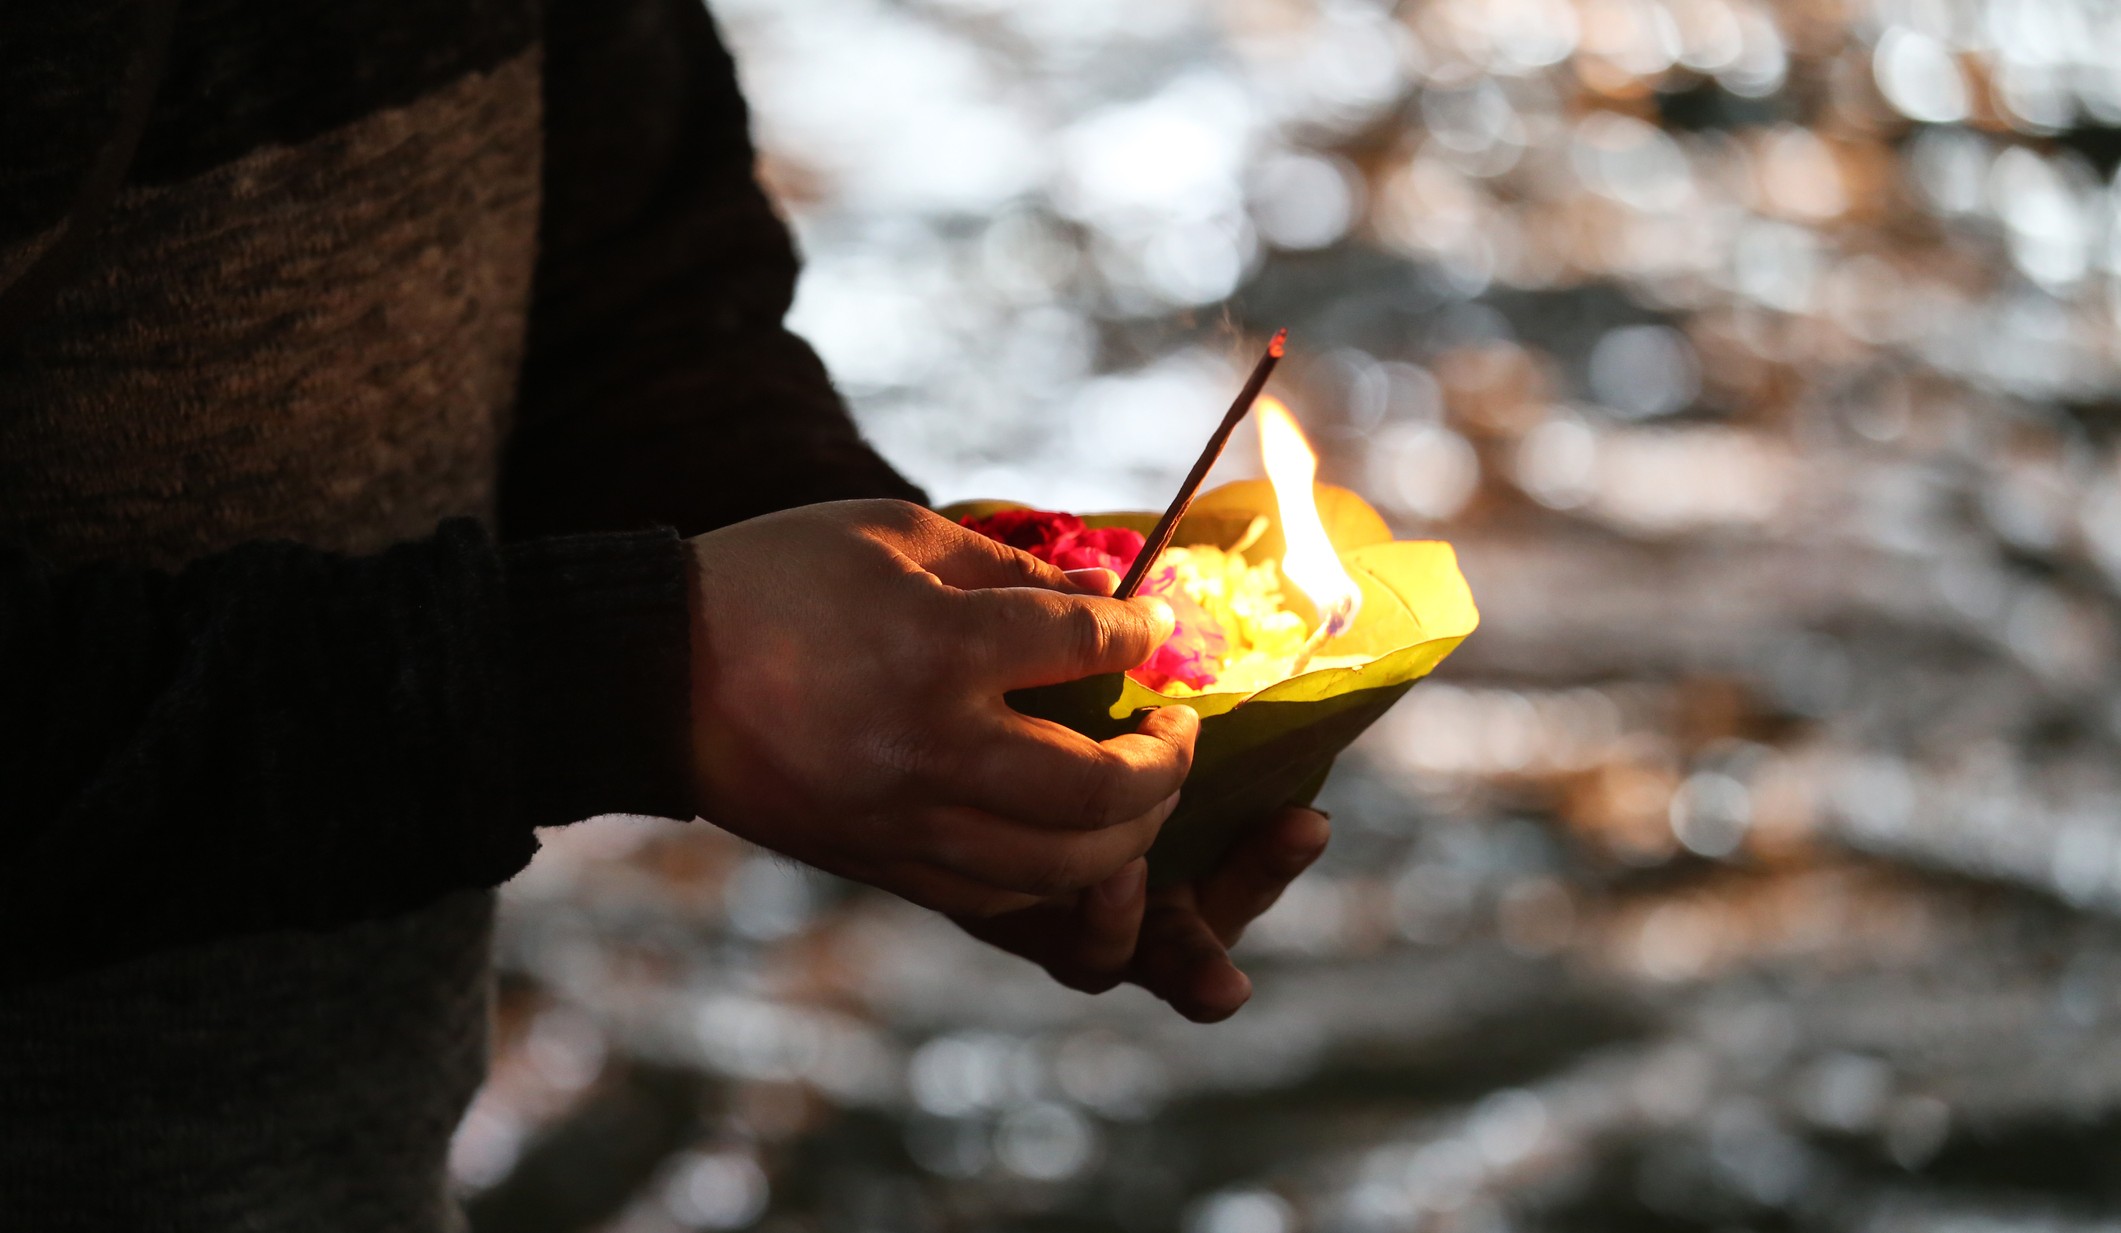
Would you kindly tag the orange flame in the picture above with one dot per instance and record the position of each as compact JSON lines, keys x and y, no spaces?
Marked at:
{"x":1309,"y":562}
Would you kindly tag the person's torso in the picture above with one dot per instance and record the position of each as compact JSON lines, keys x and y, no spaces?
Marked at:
{"x":302,"y":319}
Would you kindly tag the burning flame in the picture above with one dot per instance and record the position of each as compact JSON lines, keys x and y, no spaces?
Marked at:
{"x":1309,"y":562}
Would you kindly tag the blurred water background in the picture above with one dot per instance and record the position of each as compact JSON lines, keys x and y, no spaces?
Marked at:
{"x":1754,"y":868}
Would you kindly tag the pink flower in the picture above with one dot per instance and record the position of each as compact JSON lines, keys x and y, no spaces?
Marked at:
{"x":1112,"y":548}
{"x":1194,"y":651}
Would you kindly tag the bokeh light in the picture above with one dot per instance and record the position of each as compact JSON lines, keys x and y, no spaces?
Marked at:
{"x":1756,"y":866}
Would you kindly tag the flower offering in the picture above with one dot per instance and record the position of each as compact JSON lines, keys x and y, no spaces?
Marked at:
{"x":1234,"y":631}
{"x":1300,"y":620}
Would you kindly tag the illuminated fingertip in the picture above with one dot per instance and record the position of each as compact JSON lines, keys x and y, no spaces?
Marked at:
{"x":1160,"y":615}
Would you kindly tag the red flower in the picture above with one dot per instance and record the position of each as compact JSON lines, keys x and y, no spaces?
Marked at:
{"x":1061,"y":539}
{"x":1194,"y":651}
{"x":1029,"y":529}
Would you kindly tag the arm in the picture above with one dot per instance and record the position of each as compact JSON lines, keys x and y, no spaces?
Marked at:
{"x":280,"y":737}
{"x":660,"y":387}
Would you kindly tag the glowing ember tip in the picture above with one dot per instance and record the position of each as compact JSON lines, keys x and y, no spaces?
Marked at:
{"x":1280,"y":341}
{"x":1309,"y":561}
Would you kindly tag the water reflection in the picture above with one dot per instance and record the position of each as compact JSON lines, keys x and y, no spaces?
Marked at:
{"x":1755,"y":867}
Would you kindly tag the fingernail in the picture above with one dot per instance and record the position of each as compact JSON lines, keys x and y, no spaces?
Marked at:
{"x":1327,"y":814}
{"x":1120,"y":889}
{"x":1096,"y":579}
{"x":1168,"y":804}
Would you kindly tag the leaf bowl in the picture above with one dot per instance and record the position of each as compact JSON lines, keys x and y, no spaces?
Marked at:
{"x":1262,"y":750}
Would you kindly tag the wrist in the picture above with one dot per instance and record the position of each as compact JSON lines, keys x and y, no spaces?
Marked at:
{"x":599,"y":633}
{"x":711,"y":731}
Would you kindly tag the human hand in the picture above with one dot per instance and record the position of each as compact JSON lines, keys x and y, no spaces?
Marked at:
{"x":1175,"y":941}
{"x":849,"y":662}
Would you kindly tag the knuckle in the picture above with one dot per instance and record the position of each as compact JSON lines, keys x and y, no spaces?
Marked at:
{"x":1013,"y":560}
{"x":1019,"y":566}
{"x":1174,"y":732}
{"x":1089,"y":635}
{"x":1055,"y":875}
{"x":899,"y":515}
{"x":1039,"y":573}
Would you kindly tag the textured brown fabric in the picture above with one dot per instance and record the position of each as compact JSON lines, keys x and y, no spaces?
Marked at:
{"x":277,"y":1083}
{"x":307,"y":318}
{"x":332,"y":357}
{"x":333,"y":360}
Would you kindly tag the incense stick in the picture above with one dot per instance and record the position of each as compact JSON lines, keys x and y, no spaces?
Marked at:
{"x":1160,"y":538}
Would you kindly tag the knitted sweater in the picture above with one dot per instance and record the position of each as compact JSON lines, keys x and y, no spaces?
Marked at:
{"x":389,"y":283}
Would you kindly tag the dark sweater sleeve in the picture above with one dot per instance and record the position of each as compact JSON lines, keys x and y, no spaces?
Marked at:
{"x":282,"y":737}
{"x":660,"y":388}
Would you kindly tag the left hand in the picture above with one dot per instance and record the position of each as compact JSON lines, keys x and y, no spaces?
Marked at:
{"x":1175,"y":942}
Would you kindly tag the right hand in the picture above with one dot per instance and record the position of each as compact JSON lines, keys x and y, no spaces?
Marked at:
{"x":849,"y":662}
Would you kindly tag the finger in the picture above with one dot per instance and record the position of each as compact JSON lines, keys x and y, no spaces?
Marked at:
{"x":1017,"y":637}
{"x":949,"y":892}
{"x":1032,"y":860}
{"x":969,"y":561}
{"x":1252,"y":877}
{"x":1180,"y":960}
{"x":1041,"y":932}
{"x":1097,"y":580}
{"x":1038,"y":772}
{"x":1083,"y":941}
{"x":1111,"y":919}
